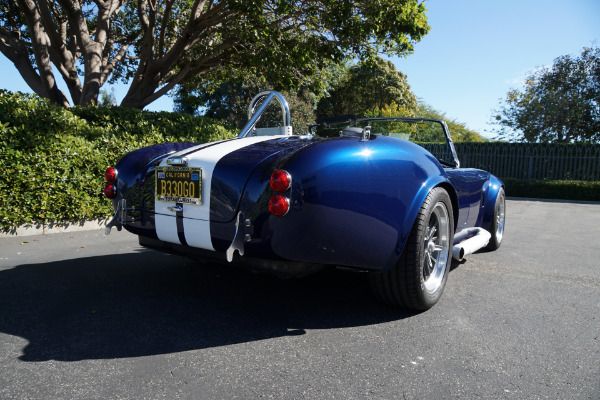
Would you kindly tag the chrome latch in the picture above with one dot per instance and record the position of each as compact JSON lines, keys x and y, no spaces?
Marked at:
{"x":366,"y":134}
{"x":177,"y":161}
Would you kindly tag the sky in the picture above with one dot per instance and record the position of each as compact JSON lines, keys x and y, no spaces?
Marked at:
{"x":475,"y":52}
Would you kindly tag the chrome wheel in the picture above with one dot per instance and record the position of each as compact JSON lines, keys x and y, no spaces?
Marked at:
{"x":436,"y":245}
{"x":500,"y":217}
{"x":418,"y":279}
{"x":498,"y":224}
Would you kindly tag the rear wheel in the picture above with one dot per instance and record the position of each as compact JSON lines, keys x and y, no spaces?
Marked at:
{"x":497,"y":228}
{"x":418,"y":279}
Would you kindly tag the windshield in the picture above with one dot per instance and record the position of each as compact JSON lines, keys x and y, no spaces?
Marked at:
{"x":429,"y":134}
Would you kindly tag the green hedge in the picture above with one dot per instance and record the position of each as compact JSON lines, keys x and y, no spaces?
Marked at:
{"x":561,"y":190}
{"x":52,"y":160}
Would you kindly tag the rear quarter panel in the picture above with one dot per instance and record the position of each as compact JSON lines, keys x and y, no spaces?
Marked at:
{"x":353,"y":202}
{"x":477,"y":191}
{"x":492,"y":188}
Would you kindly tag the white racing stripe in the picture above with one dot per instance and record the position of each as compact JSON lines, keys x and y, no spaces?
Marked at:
{"x":168,"y":228}
{"x":196,"y":221}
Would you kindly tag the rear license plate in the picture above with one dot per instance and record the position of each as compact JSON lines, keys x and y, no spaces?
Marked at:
{"x":179,"y":185}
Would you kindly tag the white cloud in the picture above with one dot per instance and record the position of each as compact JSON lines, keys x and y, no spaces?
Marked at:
{"x":520,"y":80}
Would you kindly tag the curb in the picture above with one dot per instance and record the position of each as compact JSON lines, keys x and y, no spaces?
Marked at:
{"x":55,"y":227}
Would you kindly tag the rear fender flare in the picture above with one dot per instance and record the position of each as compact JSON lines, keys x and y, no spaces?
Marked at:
{"x":413,"y":210}
{"x":492,"y":188}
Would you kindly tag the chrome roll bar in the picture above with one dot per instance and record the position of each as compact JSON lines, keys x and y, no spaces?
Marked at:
{"x":254,"y":115}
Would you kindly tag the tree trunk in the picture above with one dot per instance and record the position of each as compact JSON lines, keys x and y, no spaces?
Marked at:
{"x":41,"y":45}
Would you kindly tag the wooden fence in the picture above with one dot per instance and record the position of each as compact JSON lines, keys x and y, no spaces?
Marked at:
{"x":533,"y":160}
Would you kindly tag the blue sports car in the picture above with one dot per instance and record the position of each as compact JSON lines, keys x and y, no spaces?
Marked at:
{"x":381,"y":195}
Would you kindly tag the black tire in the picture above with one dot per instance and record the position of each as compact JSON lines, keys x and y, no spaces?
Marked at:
{"x":413,"y":283}
{"x":498,"y":220}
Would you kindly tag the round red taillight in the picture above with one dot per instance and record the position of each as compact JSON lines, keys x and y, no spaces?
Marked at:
{"x":280,"y":180}
{"x":279,"y":205}
{"x":110,"y":174}
{"x":110,"y":191}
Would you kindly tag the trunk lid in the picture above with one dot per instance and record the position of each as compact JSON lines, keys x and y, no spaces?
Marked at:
{"x":225,"y":168}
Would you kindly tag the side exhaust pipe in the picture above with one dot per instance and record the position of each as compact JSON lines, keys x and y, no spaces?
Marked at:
{"x":468,"y":241}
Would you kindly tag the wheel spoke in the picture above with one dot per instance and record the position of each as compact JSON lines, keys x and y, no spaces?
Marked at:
{"x":433,"y":231}
{"x":431,"y":260}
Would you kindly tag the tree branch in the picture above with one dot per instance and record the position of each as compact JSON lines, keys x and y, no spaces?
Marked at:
{"x":163,"y":27}
{"x":15,"y":49}
{"x":192,"y":34}
{"x":202,"y":63}
{"x":40,"y":43}
{"x":62,"y":59}
{"x":197,"y":9}
{"x":75,"y":15}
{"x":110,"y":66}
{"x":105,"y":13}
{"x":164,"y":89}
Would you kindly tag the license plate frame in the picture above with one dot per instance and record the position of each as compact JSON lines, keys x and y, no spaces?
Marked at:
{"x":178,"y":184}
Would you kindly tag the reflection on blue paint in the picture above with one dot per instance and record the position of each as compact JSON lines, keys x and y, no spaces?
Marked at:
{"x":366,"y":153}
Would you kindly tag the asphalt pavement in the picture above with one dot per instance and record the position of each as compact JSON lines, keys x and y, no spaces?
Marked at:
{"x":88,"y":316}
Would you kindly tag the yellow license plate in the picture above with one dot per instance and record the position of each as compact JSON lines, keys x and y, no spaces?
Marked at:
{"x":179,"y":185}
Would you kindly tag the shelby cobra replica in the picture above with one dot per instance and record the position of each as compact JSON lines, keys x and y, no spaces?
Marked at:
{"x":381,"y":195}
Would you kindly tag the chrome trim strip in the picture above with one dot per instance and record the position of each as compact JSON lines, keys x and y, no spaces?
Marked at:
{"x":177,"y":161}
{"x":158,"y":157}
{"x":176,"y":208}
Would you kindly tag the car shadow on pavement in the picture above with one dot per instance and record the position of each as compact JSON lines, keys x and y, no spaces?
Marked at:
{"x":151,"y":303}
{"x":455,"y":263}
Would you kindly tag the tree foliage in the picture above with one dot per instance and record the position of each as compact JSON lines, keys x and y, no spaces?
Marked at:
{"x":458,"y":130}
{"x":368,"y":86}
{"x":559,"y":104}
{"x":157,"y":44}
{"x":107,"y":98}
{"x":228,"y":101}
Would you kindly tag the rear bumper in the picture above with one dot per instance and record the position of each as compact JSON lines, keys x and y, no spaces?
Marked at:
{"x":285,"y":269}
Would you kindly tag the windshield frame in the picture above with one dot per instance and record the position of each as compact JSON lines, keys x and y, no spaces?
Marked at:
{"x":351,"y":119}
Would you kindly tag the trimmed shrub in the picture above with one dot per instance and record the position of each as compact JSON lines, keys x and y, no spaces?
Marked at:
{"x":560,"y":190}
{"x":52,"y":160}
